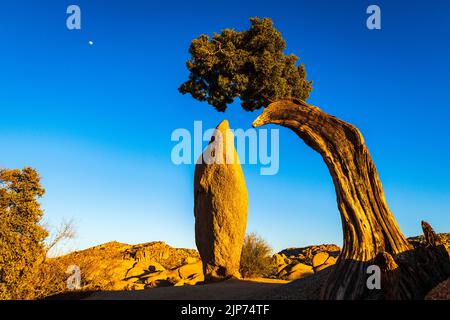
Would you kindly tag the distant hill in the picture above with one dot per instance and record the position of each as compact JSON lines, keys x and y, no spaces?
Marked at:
{"x":119,"y":266}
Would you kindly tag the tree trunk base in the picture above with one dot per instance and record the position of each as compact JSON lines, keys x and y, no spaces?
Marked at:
{"x":409,"y":275}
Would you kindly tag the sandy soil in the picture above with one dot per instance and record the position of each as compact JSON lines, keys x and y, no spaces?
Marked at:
{"x":259,"y":289}
{"x":228,"y":290}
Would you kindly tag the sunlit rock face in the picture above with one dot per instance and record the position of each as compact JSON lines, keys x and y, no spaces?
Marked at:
{"x":221,"y":205}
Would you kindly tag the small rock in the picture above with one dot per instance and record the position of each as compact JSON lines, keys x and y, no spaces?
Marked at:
{"x":138,"y":286}
{"x":190,"y":260}
{"x":179,"y":283}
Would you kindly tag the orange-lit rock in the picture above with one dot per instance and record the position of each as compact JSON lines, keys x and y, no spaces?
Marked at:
{"x":221,"y":203}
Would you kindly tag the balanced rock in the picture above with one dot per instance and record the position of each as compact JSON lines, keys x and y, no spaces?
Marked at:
{"x":221,"y":203}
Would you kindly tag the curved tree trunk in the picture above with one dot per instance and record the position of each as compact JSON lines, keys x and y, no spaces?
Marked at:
{"x":369,"y":229}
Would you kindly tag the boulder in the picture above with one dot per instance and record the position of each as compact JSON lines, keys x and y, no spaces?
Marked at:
{"x":301,"y":267}
{"x":137,"y":271}
{"x":279,"y":260}
{"x":331,"y":260}
{"x":298,"y":271}
{"x":220,"y":206}
{"x":138,"y":286}
{"x":190,"y":260}
{"x":189,"y":270}
{"x":328,"y":263}
{"x":161,"y":275}
{"x":155,"y":266}
{"x":298,"y":275}
{"x":281,"y":267}
{"x":319,"y":259}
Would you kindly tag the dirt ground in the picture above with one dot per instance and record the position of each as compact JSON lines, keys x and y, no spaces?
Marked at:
{"x":259,"y":289}
{"x":228,"y":290}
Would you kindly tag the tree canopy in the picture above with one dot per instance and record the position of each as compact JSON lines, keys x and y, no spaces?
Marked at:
{"x":250,"y":65}
{"x":21,"y":235}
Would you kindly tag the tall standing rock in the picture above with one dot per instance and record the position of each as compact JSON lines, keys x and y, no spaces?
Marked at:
{"x":221,"y":204}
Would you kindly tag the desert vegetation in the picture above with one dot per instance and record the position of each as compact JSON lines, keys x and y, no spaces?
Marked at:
{"x":25,"y":271}
{"x":256,"y":258}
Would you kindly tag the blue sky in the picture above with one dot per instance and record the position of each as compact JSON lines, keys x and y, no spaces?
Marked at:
{"x":96,"y":120}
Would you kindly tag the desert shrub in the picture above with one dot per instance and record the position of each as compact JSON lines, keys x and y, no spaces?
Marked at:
{"x":256,"y":258}
{"x":49,"y":279}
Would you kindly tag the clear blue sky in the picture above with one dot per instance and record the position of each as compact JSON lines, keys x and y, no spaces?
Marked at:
{"x":96,"y":120}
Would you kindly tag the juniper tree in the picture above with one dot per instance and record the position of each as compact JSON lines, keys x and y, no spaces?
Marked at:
{"x":21,"y":235}
{"x":250,"y":65}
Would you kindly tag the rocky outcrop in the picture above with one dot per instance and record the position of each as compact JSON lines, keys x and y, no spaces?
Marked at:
{"x":187,"y":274}
{"x":297,"y":263}
{"x":118,"y":266}
{"x":221,"y":202}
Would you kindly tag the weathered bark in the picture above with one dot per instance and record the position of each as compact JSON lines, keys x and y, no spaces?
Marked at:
{"x":369,"y":228}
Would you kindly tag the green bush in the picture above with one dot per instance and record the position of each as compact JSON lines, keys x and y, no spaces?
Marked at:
{"x":256,"y":257}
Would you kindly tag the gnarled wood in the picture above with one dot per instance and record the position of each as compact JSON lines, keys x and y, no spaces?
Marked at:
{"x":369,"y":228}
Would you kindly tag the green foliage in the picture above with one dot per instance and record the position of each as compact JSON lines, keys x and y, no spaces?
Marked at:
{"x":21,"y":236}
{"x":250,"y":65}
{"x":256,"y":259}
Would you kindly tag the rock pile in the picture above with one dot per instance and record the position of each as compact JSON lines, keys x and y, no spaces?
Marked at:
{"x":118,"y":266}
{"x":297,"y":263}
{"x":152,"y":274}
